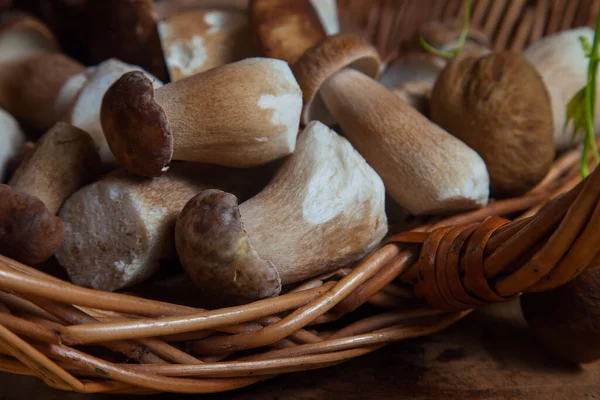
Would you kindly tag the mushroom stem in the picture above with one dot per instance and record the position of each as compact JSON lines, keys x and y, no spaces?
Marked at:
{"x":242,"y":114}
{"x":289,"y":231}
{"x":64,"y":160}
{"x":425,"y":169}
{"x":133,"y":220}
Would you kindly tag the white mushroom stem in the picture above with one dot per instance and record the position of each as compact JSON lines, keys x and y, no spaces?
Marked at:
{"x":257,"y":99}
{"x":198,"y":40}
{"x":561,"y":62}
{"x":12,"y":139}
{"x":324,"y":209}
{"x":425,"y":169}
{"x":412,"y":68}
{"x":84,"y":112}
{"x":120,"y":227}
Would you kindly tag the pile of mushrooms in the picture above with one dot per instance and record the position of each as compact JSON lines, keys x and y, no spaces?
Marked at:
{"x":200,"y":131}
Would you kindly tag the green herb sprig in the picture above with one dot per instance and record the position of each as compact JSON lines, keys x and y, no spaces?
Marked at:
{"x":580,"y":110}
{"x":461,"y":40}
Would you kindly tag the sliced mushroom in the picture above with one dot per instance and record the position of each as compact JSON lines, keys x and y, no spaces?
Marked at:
{"x":198,"y":40}
{"x":12,"y":139}
{"x":119,"y":228}
{"x":561,"y":62}
{"x":64,"y":159}
{"x":289,"y":231}
{"x":241,"y":115}
{"x":84,"y":113}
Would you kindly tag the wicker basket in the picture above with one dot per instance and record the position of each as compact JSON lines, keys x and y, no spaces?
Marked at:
{"x":60,"y":333}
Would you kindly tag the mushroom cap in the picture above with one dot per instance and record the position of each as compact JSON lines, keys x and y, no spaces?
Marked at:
{"x":216,"y":252}
{"x":198,"y":40}
{"x":29,"y":233}
{"x":135,"y":125}
{"x":567,"y":319}
{"x":23,"y":36}
{"x":84,"y":112}
{"x":333,"y":53}
{"x":285,"y":29}
{"x":499,"y":106}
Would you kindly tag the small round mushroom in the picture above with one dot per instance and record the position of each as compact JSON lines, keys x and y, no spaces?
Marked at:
{"x":133,"y":220}
{"x":84,"y":112}
{"x":32,"y":73}
{"x":198,"y":40}
{"x":561,"y":62}
{"x":241,"y":115}
{"x":499,"y":106}
{"x":290,"y":231}
{"x":567,"y":320}
{"x":64,"y":159}
{"x":11,"y":141}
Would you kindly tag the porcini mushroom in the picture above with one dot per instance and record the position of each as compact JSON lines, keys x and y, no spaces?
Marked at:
{"x":499,"y":106}
{"x":64,"y":159}
{"x":289,"y":231}
{"x":425,"y":169}
{"x":198,"y":40}
{"x":567,"y":319}
{"x":562,"y":63}
{"x":444,"y":36}
{"x":11,"y":140}
{"x":84,"y":112}
{"x":133,"y":220}
{"x":247,"y":114}
{"x":31,"y":72}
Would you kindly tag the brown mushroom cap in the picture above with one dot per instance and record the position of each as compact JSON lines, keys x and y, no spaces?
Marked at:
{"x":500,"y":107}
{"x":567,"y":319}
{"x":444,"y":36}
{"x":215,"y":250}
{"x":135,"y":125}
{"x":29,"y":233}
{"x":345,"y":50}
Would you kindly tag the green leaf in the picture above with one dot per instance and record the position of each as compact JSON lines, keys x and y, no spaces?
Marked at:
{"x":576,"y":113}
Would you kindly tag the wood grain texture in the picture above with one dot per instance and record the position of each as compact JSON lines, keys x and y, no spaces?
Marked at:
{"x":489,"y":355}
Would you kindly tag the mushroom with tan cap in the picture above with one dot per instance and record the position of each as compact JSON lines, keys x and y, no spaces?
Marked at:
{"x":32,"y":72}
{"x":499,"y":106}
{"x":11,"y":140}
{"x":242,"y":114}
{"x":425,"y":169}
{"x":562,"y":63}
{"x":84,"y":110}
{"x":119,"y":228}
{"x":323,"y":209}
{"x":64,"y":159}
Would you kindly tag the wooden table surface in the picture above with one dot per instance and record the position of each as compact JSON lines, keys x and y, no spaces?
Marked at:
{"x":489,"y":355}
